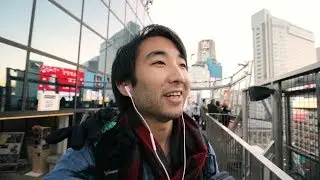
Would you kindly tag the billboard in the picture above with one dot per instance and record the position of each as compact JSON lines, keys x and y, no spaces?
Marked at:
{"x":61,"y":76}
{"x":205,"y":44}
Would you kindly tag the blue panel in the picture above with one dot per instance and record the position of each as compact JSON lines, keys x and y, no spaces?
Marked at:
{"x":215,"y":68}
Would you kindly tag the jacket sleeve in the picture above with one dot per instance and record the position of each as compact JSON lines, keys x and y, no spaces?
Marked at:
{"x":72,"y":165}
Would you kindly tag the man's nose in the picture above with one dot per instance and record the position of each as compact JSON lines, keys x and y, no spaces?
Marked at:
{"x":176,"y":74}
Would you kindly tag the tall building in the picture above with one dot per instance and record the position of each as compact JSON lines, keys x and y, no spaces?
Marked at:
{"x":279,"y":46}
{"x":206,"y":49}
{"x":200,"y":76}
{"x":318,"y":53}
{"x":108,"y":52}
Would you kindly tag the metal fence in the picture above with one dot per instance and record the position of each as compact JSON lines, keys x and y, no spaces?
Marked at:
{"x":236,"y":156}
{"x":288,"y":124}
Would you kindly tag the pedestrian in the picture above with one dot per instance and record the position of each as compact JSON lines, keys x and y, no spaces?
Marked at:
{"x":196,"y":113}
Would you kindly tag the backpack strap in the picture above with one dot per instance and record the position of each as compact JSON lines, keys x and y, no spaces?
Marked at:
{"x":210,"y":167}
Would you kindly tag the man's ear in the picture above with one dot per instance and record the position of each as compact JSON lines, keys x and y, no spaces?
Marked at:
{"x":122,"y":89}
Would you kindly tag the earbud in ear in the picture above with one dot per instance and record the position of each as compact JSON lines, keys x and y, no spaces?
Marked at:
{"x":128,"y":90}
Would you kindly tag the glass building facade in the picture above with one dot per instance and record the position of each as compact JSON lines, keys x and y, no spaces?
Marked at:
{"x":63,"y":47}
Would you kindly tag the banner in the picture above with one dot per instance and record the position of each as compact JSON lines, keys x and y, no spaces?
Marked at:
{"x":60,"y":76}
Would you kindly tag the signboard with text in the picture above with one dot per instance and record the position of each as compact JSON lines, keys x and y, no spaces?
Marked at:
{"x":61,"y":76}
{"x":48,"y":102}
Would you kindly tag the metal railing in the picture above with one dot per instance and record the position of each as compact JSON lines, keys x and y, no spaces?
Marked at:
{"x":236,"y":156}
{"x":289,"y":120}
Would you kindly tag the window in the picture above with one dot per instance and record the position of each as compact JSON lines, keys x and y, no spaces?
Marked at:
{"x":140,"y":11}
{"x":130,"y":16}
{"x":95,"y":15}
{"x":116,"y":32}
{"x":118,"y":7}
{"x":111,"y":53}
{"x":147,"y":20}
{"x":73,"y":6}
{"x":52,"y":77}
{"x":15,"y":20}
{"x":91,"y":91}
{"x":133,"y":4}
{"x":12,"y":68}
{"x":90,"y":49}
{"x":55,"y":32}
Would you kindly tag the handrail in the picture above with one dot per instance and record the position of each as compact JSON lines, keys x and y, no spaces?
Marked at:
{"x":292,"y":74}
{"x":263,"y":160}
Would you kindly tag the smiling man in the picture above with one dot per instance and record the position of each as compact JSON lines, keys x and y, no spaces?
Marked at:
{"x":152,"y":138}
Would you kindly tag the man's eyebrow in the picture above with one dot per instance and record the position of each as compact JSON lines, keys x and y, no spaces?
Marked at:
{"x":162,"y":53}
{"x":155,"y":53}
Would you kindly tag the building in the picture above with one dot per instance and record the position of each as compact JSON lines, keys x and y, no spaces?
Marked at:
{"x":65,"y":59}
{"x":206,"y":49}
{"x":92,"y":63}
{"x":318,"y":53}
{"x":279,"y":46}
{"x":200,"y":77}
{"x":108,"y":52}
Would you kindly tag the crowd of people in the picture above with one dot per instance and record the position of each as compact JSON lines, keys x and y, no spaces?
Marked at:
{"x":214,"y":108}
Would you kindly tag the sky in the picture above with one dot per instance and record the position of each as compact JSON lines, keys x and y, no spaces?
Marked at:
{"x":228,"y":23}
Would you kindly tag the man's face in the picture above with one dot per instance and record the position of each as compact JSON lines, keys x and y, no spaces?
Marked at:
{"x":163,"y":82}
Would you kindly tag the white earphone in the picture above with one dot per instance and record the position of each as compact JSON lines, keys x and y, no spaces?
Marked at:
{"x":153,"y":142}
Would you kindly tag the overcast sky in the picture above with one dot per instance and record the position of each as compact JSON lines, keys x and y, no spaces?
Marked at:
{"x":228,"y":23}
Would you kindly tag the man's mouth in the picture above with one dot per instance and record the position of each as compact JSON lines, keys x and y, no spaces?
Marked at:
{"x":174,"y":94}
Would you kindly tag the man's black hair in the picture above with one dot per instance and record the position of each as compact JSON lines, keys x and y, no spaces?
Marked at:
{"x":123,"y":67}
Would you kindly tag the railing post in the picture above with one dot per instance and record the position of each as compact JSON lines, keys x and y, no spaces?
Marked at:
{"x":245,"y":116}
{"x":318,"y":113}
{"x":244,"y":126}
{"x":277,"y":125}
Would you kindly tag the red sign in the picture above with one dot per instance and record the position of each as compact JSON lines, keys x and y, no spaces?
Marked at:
{"x":60,"y":76}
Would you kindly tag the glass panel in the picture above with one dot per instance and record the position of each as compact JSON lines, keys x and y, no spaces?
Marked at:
{"x":140,"y":25}
{"x":115,"y":26}
{"x":49,"y":76}
{"x":106,"y":1}
{"x":15,"y":20}
{"x":96,"y":16}
{"x":91,"y":91}
{"x":140,"y":11}
{"x":108,"y":96}
{"x":133,"y":4}
{"x":146,"y":19}
{"x":118,"y":7}
{"x":90,"y":49}
{"x":55,"y":32}
{"x":12,"y":68}
{"x":130,"y":16}
{"x":73,"y":6}
{"x":111,"y":54}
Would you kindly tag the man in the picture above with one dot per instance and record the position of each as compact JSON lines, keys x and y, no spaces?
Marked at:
{"x":152,"y":138}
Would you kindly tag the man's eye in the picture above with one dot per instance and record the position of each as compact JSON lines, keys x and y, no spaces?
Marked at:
{"x":183,"y":65}
{"x":159,"y":63}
